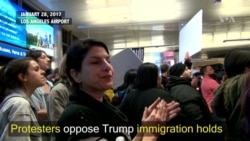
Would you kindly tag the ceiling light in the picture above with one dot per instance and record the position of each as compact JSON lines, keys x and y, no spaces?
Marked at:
{"x":232,"y":40}
{"x":217,"y":1}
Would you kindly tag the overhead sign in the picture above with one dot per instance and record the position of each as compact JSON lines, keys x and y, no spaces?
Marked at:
{"x":11,"y":51}
{"x":139,"y":52}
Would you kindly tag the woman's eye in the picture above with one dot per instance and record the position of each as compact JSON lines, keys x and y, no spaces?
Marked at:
{"x":94,"y":62}
{"x":43,"y":57}
{"x":37,"y":69}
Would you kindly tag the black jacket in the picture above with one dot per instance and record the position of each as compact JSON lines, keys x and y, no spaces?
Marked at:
{"x":135,"y":102}
{"x":193,"y":105}
{"x":194,"y":112}
{"x":85,"y":111}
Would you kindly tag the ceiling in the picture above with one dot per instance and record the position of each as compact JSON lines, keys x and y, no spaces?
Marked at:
{"x":151,"y":23}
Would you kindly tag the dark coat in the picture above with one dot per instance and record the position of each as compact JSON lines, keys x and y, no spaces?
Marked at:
{"x":194,"y":111}
{"x":83,"y":110}
{"x":227,"y":104}
{"x":135,"y":102}
{"x":193,"y":105}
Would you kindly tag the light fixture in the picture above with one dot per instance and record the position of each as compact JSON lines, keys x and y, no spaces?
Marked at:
{"x":233,"y":40}
{"x":217,"y":1}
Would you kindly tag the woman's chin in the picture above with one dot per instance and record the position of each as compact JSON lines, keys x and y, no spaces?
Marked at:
{"x":108,"y":86}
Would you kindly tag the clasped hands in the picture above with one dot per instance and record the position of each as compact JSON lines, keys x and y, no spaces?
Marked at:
{"x":159,"y":113}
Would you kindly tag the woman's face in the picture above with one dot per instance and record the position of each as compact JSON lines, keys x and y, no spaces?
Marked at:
{"x":44,"y":62}
{"x":35,"y":76}
{"x":96,"y":71}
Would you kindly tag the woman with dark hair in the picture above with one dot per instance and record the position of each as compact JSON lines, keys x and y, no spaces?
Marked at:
{"x":88,"y":68}
{"x":39,"y":96}
{"x":227,"y":102}
{"x":235,"y":65}
{"x":146,"y":92}
{"x":126,"y":87}
{"x":147,"y":77}
{"x":18,"y":80}
{"x":129,"y":79}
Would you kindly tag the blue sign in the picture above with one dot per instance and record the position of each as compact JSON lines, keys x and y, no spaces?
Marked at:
{"x":10,"y":32}
{"x":12,"y":52}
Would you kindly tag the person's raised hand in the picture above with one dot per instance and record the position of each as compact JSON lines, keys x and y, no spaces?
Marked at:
{"x":187,"y":57}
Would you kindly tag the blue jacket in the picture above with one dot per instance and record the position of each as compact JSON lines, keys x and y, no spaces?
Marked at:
{"x":15,"y":111}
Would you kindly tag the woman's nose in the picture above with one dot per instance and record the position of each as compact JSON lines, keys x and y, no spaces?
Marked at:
{"x":107,"y":65}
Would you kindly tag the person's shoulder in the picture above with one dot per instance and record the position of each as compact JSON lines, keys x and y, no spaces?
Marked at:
{"x":162,"y":93}
{"x":184,"y":90}
{"x":156,"y":91}
{"x":132,"y":92}
{"x":74,"y":109}
{"x":79,"y":115}
{"x":59,"y":87}
{"x":59,"y":92}
{"x":183,"y":87}
{"x":159,"y":90}
{"x":18,"y":100}
{"x":18,"y":103}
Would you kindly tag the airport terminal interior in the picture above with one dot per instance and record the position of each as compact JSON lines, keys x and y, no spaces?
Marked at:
{"x":152,"y":25}
{"x":188,"y":39}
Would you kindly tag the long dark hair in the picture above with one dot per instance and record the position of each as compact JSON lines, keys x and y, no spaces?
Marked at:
{"x":9,"y":75}
{"x":236,"y":61}
{"x":128,"y":80}
{"x":147,"y":75}
{"x":35,"y":54}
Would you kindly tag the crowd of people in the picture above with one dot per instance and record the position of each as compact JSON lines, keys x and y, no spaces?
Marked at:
{"x":165,"y":97}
